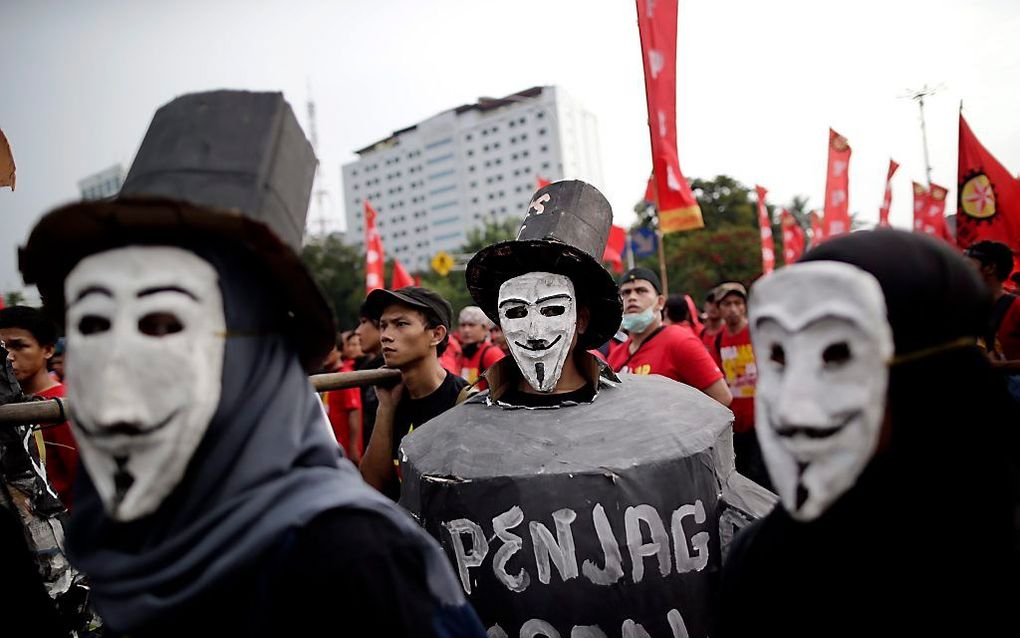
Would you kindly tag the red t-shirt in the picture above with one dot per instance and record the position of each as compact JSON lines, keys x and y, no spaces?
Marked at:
{"x":450,"y":359}
{"x":674,"y":352}
{"x":1008,"y":335}
{"x":736,"y":358}
{"x":470,"y":368}
{"x":339,"y":405}
{"x":61,"y":451}
{"x":708,"y":339}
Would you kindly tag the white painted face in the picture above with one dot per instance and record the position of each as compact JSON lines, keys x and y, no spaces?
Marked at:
{"x":822,"y":342}
{"x":145,"y":340}
{"x":538,"y":313}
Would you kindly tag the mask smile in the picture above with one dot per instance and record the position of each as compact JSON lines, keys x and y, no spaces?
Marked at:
{"x":812,"y":432}
{"x":539,"y":349}
{"x":125,"y":429}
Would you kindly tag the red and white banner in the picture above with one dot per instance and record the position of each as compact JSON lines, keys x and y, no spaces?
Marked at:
{"x":401,"y":278}
{"x":988,"y":204}
{"x":935,"y":217}
{"x":837,"y":188}
{"x":883,"y":212}
{"x":817,"y":233}
{"x":373,"y":252}
{"x":793,"y":238}
{"x":615,"y":247}
{"x":657,"y":25}
{"x":920,"y":207}
{"x":768,"y":249}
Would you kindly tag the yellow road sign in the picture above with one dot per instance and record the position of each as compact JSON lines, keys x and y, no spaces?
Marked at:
{"x":442,"y":263}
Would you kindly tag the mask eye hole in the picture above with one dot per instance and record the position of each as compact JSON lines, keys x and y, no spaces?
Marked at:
{"x":93,"y":324}
{"x":777,"y":354}
{"x":159,"y":324}
{"x":517,"y":312}
{"x":836,"y":354}
{"x":552,"y":311}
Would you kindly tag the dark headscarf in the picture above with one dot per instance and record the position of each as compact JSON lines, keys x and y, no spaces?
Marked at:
{"x":267,"y":464}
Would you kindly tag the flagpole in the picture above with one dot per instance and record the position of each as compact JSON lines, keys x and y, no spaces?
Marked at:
{"x":662,"y":263}
{"x":630,"y":251}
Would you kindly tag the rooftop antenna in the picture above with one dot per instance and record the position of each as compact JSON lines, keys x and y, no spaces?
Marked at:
{"x":319,"y":194}
{"x":918,"y":96}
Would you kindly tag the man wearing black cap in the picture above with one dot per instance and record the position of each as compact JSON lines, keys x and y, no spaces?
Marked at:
{"x":414,"y":326}
{"x":733,"y":352}
{"x":653,"y":348}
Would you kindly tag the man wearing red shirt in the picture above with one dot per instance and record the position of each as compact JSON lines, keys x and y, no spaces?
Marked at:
{"x":713,"y":322}
{"x":29,"y":339}
{"x":733,"y":352}
{"x":345,"y":405}
{"x":994,"y":261}
{"x":477,"y":354}
{"x":652,"y":348}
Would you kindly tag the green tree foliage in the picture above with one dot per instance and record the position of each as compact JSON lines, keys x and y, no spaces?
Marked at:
{"x":14,"y":298}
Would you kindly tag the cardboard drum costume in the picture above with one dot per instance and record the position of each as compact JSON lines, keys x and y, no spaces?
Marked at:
{"x":586,"y":513}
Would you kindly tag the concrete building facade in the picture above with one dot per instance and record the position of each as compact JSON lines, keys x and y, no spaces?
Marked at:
{"x":432,"y":182}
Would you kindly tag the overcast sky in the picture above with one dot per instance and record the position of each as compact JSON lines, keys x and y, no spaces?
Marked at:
{"x":759,"y":83}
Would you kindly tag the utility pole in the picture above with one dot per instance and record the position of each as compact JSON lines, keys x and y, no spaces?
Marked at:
{"x":918,"y":96}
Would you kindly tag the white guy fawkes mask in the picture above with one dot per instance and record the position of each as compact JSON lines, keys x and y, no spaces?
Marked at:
{"x":145,"y":341}
{"x":538,"y":314}
{"x":822,"y":342}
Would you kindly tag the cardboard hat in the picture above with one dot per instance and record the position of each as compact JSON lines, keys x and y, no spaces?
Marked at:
{"x":228,"y":167}
{"x":564,"y":232}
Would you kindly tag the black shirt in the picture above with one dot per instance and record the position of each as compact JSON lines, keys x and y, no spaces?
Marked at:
{"x":583,"y":394}
{"x":412,"y":413}
{"x":369,"y":402}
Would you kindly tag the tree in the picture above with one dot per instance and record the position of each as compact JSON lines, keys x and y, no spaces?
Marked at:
{"x":14,"y":298}
{"x":339,"y":270}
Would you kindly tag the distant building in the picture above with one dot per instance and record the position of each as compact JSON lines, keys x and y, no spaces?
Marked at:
{"x":434,"y":181}
{"x":105,"y":183}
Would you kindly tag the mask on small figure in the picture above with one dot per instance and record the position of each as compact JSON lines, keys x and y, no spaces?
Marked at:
{"x":822,"y":342}
{"x":538,"y":314}
{"x":145,"y":342}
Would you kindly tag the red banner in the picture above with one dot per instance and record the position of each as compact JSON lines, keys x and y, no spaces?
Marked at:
{"x":837,"y":187}
{"x":541,"y":183}
{"x":920,"y":207}
{"x":657,"y":23}
{"x":650,"y":197}
{"x":614,"y":247}
{"x":935,"y":218}
{"x":373,"y":252}
{"x":768,"y":249}
{"x":883,"y":212}
{"x":988,"y":196}
{"x":401,"y":278}
{"x":793,"y":238}
{"x":817,"y":233}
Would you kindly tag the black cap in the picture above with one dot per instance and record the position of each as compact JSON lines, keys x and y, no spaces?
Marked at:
{"x":431,"y":303}
{"x":642,"y":273}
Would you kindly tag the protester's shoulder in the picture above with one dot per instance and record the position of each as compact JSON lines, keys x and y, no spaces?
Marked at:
{"x":56,"y":392}
{"x":491,"y":355}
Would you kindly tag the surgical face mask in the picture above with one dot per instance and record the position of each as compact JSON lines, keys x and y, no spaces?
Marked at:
{"x":637,"y":322}
{"x":538,"y":313}
{"x":822,"y":343}
{"x":145,"y":342}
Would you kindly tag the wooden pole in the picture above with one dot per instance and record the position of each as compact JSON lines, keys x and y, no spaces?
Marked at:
{"x":662,"y":263}
{"x":55,"y":411}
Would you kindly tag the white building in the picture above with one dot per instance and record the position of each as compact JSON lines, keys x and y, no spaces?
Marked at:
{"x":432,"y":182}
{"x":105,"y":183}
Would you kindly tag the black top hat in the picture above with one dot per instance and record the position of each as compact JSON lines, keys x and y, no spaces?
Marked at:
{"x":565,"y":232}
{"x":231,"y":167}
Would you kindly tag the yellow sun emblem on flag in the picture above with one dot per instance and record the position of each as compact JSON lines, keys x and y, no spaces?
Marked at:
{"x":978,"y":197}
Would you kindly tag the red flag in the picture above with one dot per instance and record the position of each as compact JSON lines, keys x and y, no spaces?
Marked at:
{"x":768,"y":249}
{"x":817,"y":233}
{"x":614,"y":247}
{"x":1,"y":302}
{"x":883,"y":212}
{"x":541,"y":183}
{"x":373,"y":252}
{"x":657,"y":23}
{"x":793,"y":238}
{"x":988,"y":196}
{"x":650,"y":198}
{"x":920,"y":207}
{"x":400,"y":277}
{"x":837,"y":187}
{"x":935,"y":218}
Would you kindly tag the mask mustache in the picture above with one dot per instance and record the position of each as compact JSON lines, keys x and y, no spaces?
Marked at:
{"x":537,"y":345}
{"x":813,"y":432}
{"x":124,"y":429}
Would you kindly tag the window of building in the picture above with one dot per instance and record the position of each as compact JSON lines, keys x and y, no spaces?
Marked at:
{"x":544,"y":148}
{"x":545,"y":165}
{"x":542,"y":131}
{"x":496,"y":145}
{"x":513,"y":140}
{"x":498,"y":161}
{"x":525,"y":153}
{"x":524,"y":136}
{"x":468,"y":137}
{"x":539,"y":115}
{"x":470,"y":153}
{"x":514,"y":157}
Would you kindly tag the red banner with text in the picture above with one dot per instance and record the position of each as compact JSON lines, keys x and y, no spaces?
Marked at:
{"x":883,"y":212}
{"x":657,"y":26}
{"x":768,"y":247}
{"x":837,"y":188}
{"x":373,"y":251}
{"x":793,"y":238}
